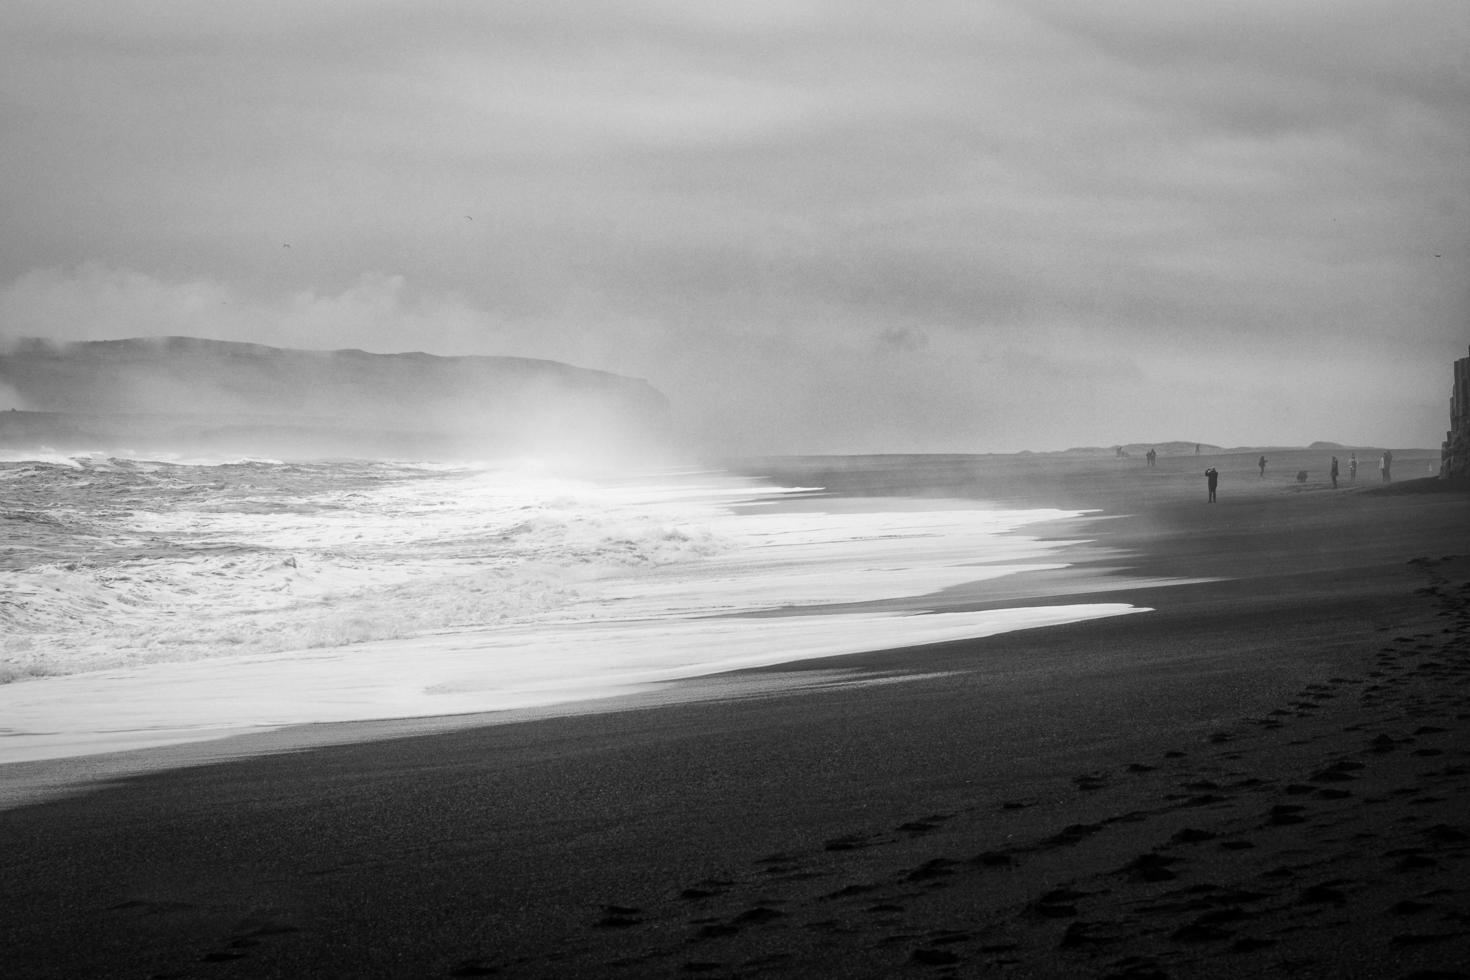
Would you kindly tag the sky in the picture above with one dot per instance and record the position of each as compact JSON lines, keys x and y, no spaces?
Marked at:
{"x":816,"y":226}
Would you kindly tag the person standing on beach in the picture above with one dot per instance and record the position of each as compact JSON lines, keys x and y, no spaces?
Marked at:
{"x":1334,"y":472}
{"x":1212,"y":480}
{"x":1262,"y":464}
{"x":1387,"y":464}
{"x":1353,"y":468}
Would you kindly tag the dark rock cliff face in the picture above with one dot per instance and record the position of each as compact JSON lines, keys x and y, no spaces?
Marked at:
{"x":185,"y":394}
{"x":1455,"y":450}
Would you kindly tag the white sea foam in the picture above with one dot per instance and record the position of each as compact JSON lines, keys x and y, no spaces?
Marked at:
{"x":159,"y":601}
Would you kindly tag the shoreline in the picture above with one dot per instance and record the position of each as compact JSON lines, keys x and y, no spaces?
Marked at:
{"x":1268,"y":772}
{"x":635,"y":633}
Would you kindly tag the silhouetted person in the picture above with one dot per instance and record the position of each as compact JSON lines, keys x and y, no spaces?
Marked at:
{"x":1151,"y":456}
{"x":1262,"y":464}
{"x":1334,"y":472}
{"x":1386,"y":465}
{"x":1353,"y":468}
{"x":1212,"y":480}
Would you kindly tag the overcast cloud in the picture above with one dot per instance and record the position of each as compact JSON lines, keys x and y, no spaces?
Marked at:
{"x":816,"y":226}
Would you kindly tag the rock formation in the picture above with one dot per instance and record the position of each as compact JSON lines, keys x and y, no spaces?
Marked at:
{"x":1455,"y":452}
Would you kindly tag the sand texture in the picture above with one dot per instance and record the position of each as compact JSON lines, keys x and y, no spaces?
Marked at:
{"x":1268,"y":775}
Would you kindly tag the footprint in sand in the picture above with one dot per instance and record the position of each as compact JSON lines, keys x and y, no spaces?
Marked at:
{"x":851,"y":842}
{"x":619,"y":917}
{"x":1286,"y":814}
{"x":1192,"y":835}
{"x":1324,"y":893}
{"x":932,"y":869}
{"x":1071,"y":834}
{"x":993,"y":859}
{"x":924,"y":825}
{"x":1052,"y":902}
{"x":1151,"y":867}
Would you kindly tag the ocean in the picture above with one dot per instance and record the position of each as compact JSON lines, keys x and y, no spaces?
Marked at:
{"x":146,"y":601}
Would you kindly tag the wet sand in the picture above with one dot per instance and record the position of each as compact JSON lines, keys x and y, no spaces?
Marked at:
{"x":1267,"y":774}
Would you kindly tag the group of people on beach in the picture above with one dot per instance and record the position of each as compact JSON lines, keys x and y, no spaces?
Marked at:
{"x":1385,"y":468}
{"x":1385,"y":471}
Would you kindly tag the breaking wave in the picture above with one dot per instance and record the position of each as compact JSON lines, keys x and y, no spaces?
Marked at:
{"x":110,"y":561}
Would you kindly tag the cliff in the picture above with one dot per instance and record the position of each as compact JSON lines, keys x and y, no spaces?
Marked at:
{"x":1455,"y":451}
{"x":184,"y":393}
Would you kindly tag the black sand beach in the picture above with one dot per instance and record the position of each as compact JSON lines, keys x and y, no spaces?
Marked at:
{"x":1267,"y":775}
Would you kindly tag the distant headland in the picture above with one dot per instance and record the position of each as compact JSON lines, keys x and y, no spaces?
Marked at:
{"x":186,"y":394}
